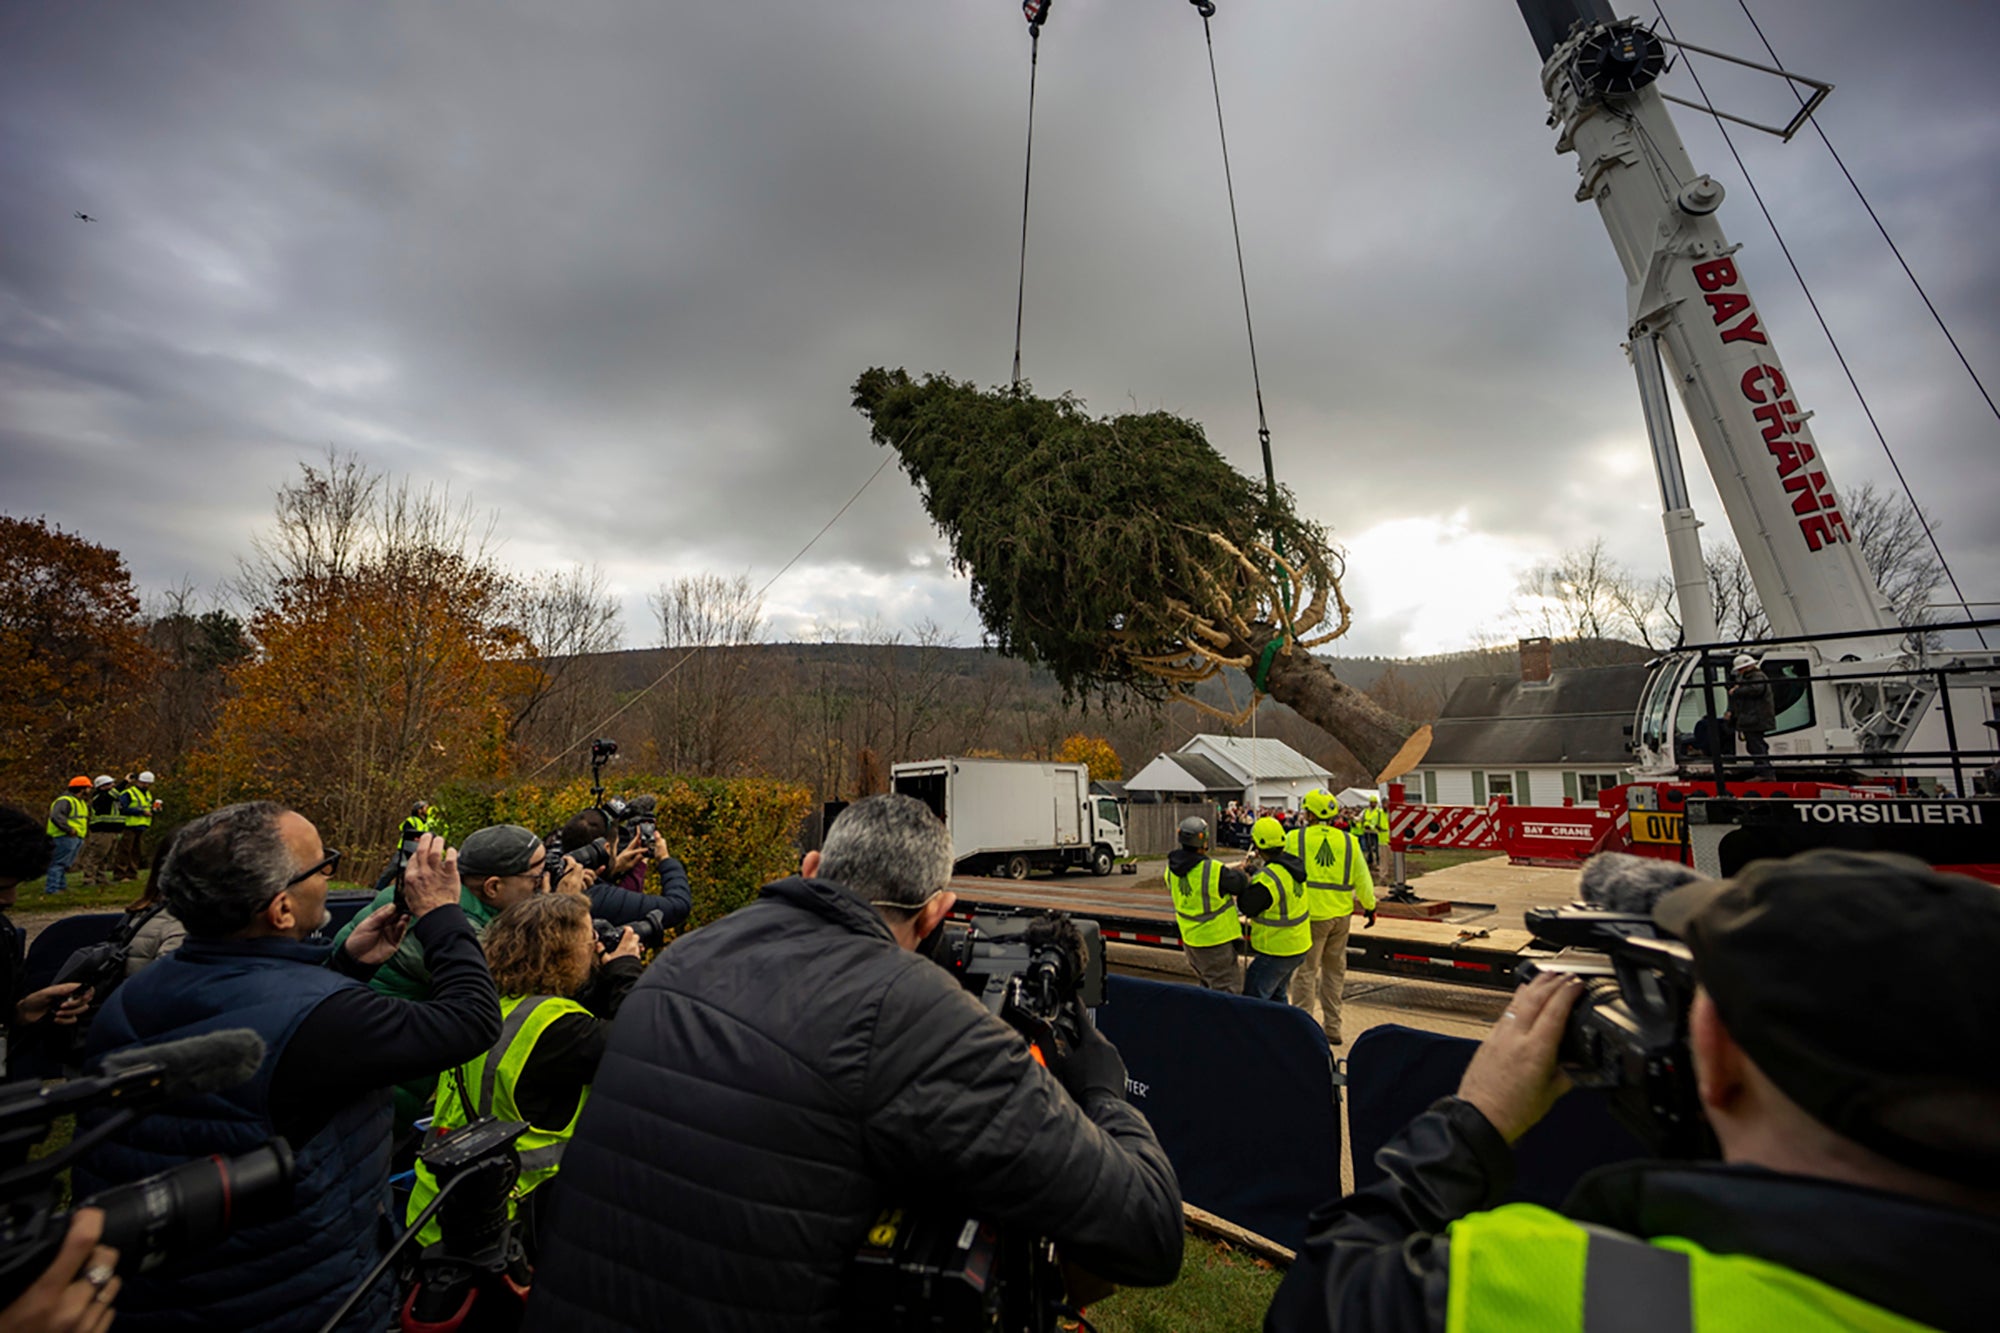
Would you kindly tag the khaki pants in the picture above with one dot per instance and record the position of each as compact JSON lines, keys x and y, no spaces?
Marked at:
{"x":94,"y":861}
{"x":1216,"y":965}
{"x":1321,"y":981}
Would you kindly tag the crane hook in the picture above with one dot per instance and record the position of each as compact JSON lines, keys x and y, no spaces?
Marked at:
{"x":1207,"y":7}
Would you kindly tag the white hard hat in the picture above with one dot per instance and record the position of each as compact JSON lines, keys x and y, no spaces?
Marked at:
{"x":1743,"y":662}
{"x":146,"y":777}
{"x":101,"y":780}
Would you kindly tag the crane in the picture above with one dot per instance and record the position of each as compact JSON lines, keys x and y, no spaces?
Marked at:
{"x":1857,"y":692}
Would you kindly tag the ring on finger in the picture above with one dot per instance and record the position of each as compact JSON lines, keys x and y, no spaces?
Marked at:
{"x":99,"y":1274}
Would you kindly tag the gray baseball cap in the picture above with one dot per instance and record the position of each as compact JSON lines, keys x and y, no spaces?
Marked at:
{"x":500,"y":849}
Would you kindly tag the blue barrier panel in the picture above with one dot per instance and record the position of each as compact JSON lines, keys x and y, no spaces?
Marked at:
{"x":1241,"y":1094}
{"x":1394,"y":1073}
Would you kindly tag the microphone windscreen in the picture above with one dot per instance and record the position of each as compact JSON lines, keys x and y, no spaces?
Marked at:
{"x":211,"y":1062}
{"x":1617,"y":882}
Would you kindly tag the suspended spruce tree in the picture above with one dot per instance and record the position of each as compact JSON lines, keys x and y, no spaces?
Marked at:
{"x":1125,"y":553}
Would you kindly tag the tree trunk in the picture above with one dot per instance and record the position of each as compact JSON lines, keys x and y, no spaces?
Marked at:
{"x":1371,"y":733}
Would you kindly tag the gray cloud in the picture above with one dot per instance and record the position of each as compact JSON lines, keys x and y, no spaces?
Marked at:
{"x":610,"y":269}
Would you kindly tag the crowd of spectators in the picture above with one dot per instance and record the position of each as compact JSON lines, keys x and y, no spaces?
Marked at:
{"x":706,"y":1138}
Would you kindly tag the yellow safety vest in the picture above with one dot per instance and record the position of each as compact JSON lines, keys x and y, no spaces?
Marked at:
{"x":138,"y":806}
{"x":1335,"y":870}
{"x":1525,"y":1268}
{"x":491,"y":1079}
{"x":1206,"y":917}
{"x":1375,"y":820}
{"x":1285,"y":928}
{"x":69,"y":817}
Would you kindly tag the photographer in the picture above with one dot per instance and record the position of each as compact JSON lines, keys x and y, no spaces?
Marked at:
{"x":778,"y":1077}
{"x":76,"y":1292}
{"x":1859,"y":1128}
{"x":249,"y":882}
{"x":559,"y":991}
{"x":619,"y":893}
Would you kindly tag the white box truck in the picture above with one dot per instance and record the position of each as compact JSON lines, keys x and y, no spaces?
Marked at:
{"x":1010,"y":816}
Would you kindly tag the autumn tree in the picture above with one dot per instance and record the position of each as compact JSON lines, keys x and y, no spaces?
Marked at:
{"x":1125,"y":554}
{"x":1082,"y":748}
{"x":78,"y":667}
{"x":385,"y":663}
{"x":195,"y":649}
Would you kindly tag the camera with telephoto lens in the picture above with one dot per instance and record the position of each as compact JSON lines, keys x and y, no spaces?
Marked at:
{"x":1628,"y":1034}
{"x":650,"y":928}
{"x":939,"y":1268}
{"x":476,"y":1275}
{"x":178,"y":1212}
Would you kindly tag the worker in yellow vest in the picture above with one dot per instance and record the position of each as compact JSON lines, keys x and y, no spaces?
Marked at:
{"x":107,"y":826}
{"x":136,"y":801}
{"x":557,"y":999}
{"x":1205,"y":893}
{"x":69,"y":824}
{"x":1374,"y":831}
{"x":1337,"y":880}
{"x":1859,"y":1180}
{"x":1275,"y":902}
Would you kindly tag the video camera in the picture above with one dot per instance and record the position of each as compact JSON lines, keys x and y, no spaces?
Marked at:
{"x":1037,"y":972}
{"x":178,"y":1212}
{"x":945,"y":1269}
{"x":1628,"y":1033}
{"x":650,"y":928}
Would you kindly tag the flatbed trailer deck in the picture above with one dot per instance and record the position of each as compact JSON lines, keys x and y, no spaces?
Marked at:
{"x":1467,"y":955}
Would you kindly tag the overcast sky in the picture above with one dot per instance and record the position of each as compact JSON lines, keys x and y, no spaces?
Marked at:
{"x":609,"y":267}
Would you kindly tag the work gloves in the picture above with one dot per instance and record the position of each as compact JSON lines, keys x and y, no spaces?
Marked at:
{"x":1093,"y":1069}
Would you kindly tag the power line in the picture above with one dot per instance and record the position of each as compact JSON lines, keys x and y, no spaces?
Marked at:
{"x":598,"y":727}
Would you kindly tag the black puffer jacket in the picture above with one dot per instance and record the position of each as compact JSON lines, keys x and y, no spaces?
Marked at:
{"x":777,"y":1078}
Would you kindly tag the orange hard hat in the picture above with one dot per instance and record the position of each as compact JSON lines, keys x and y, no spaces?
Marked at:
{"x":79,"y":781}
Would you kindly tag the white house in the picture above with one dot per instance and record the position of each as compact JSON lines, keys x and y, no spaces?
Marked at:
{"x":1255,"y":772}
{"x":1543,"y":738}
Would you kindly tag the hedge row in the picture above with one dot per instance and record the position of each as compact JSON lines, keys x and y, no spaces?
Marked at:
{"x":734,"y":835}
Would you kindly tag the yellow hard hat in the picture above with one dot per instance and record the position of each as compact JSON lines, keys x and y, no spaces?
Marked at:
{"x":1267,"y":834}
{"x":1319,"y":803}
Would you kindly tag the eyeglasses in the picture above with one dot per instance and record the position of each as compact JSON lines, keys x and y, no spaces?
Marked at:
{"x":326,"y":866}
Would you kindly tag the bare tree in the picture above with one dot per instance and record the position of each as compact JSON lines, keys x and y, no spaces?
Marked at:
{"x":702,"y":715}
{"x":562,"y":618}
{"x":322,"y":525}
{"x":1586,"y":598}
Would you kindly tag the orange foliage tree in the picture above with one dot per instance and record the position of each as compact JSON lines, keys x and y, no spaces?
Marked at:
{"x":1081,"y":748}
{"x":77,"y":665}
{"x":386,"y":660}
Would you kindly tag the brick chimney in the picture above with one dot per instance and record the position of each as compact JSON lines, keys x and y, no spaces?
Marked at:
{"x":1537,"y":660}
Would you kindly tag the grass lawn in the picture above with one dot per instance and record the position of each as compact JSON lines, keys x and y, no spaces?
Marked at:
{"x":1220,"y":1290}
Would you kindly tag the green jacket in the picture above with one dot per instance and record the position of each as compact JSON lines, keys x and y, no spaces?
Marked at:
{"x":404,"y":976}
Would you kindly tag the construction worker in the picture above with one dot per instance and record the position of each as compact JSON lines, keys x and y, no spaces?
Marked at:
{"x":1205,"y":906}
{"x":1374,"y":831}
{"x":1275,"y":902}
{"x":1336,"y":872}
{"x":107,"y":826}
{"x":69,"y":822}
{"x":413,"y":827}
{"x":135,"y":799}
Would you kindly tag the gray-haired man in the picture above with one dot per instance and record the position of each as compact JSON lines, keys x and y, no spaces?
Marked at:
{"x":777,"y":1078}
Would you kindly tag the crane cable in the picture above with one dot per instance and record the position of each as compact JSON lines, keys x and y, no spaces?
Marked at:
{"x":1894,"y":249}
{"x":1825,"y":328}
{"x":1036,"y":14}
{"x":1206,"y":8}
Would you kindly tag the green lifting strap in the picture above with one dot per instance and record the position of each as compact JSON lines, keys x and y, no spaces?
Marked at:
{"x":1265,"y":659}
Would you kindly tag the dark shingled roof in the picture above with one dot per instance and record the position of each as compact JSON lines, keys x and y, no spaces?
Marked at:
{"x":1578,"y":717}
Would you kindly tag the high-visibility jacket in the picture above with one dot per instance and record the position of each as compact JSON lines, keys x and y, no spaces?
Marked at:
{"x":1206,"y":916}
{"x":1335,"y":870}
{"x":1285,"y":927}
{"x":69,"y":817}
{"x":1375,"y":820}
{"x":1526,"y":1268}
{"x":412,"y":828}
{"x":491,"y":1079}
{"x":137,"y":803}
